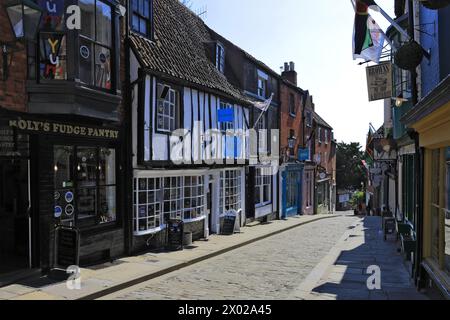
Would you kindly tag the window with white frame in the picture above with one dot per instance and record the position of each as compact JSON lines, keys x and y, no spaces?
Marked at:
{"x":147,"y":204}
{"x":194,"y":198}
{"x":220,"y":57}
{"x":173,"y":195}
{"x":155,"y":199}
{"x":229,"y":125}
{"x":263,"y":186}
{"x":319,"y":135}
{"x":230,"y":190}
{"x":167,"y":108}
{"x":261,"y":127}
{"x":292,"y":110}
{"x":326,"y":136}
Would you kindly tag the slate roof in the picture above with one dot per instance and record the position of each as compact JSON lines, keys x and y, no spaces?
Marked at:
{"x":179,"y":49}
{"x":320,"y":121}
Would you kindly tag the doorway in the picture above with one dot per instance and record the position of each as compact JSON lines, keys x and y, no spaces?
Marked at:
{"x":210,"y":205}
{"x":14,"y":215}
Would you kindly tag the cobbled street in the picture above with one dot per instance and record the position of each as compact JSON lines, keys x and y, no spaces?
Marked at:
{"x":268,"y":269}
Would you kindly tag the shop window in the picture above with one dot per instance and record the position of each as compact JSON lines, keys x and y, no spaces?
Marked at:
{"x":173,"y":195}
{"x":194,"y":198}
{"x":95,"y":44}
{"x":141,"y":17}
{"x":147,"y":204}
{"x":230,"y":190}
{"x":167,"y":108}
{"x":85,"y":185}
{"x":263,"y":186}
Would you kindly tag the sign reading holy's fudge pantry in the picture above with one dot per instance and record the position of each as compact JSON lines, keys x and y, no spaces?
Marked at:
{"x":50,"y":127}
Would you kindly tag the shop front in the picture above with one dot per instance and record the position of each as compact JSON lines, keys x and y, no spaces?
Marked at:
{"x":431,"y":120}
{"x":57,"y":173}
{"x":200,"y":198}
{"x":291,"y":186}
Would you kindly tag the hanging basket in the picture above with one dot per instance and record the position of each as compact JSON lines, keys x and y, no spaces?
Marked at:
{"x":435,"y":4}
{"x":409,"y":56}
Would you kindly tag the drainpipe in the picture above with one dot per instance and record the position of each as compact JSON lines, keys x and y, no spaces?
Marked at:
{"x":128,"y":180}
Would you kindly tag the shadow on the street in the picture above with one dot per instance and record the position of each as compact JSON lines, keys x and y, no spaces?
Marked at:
{"x":349,"y":277}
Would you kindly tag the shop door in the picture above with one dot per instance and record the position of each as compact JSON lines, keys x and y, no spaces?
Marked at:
{"x":14,"y":215}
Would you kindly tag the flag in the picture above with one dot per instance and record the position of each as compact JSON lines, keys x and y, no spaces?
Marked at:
{"x":263,"y":106}
{"x":368,"y":38}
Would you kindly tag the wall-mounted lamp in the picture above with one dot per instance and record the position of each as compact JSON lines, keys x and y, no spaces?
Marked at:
{"x":399,"y":101}
{"x":24,"y":17}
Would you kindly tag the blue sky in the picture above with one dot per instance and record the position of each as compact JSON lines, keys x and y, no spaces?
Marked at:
{"x":317,"y":36}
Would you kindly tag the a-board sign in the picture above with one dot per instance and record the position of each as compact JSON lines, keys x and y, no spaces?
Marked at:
{"x":175,"y":231}
{"x":68,"y":247}
{"x":229,"y":222}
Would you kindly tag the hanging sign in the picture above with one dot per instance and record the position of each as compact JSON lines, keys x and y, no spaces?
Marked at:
{"x":379,"y":81}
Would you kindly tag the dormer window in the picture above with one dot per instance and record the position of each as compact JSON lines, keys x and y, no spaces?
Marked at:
{"x":220,"y":57}
{"x":141,"y":18}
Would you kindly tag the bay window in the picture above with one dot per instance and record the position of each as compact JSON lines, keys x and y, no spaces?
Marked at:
{"x":230,"y":191}
{"x":95,"y":44}
{"x":263,"y":186}
{"x":158,"y":199}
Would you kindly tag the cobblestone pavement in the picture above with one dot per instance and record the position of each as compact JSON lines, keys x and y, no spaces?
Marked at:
{"x":268,"y":269}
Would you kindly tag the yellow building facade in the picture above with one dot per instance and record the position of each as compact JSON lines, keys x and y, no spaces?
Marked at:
{"x":431,"y":120}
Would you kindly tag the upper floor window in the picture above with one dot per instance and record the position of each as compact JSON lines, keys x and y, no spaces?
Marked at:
{"x":326,"y":136}
{"x":220,"y":57}
{"x":95,"y":44}
{"x":319,"y":135}
{"x":226,"y":125}
{"x":167,"y":108}
{"x":262,"y":84}
{"x":141,"y":17}
{"x":292,"y":110}
{"x":308,"y":119}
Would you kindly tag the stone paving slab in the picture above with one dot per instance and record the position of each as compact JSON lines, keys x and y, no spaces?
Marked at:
{"x":99,"y":280}
{"x":342,"y":275}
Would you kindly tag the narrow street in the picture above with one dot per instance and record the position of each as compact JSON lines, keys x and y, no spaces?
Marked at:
{"x":328,"y":257}
{"x":268,"y":269}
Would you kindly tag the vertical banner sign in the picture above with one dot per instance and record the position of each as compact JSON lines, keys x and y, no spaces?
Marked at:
{"x":379,"y":81}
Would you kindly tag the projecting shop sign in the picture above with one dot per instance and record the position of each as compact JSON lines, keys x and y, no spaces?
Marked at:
{"x":379,"y":81}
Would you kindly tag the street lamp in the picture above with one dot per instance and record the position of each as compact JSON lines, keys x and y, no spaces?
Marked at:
{"x":24,"y":17}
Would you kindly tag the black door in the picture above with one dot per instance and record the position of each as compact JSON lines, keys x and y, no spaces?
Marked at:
{"x":14,"y":229}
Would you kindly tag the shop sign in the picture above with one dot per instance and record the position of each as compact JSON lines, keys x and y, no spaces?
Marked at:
{"x":12,"y":144}
{"x":303,"y":154}
{"x":48,"y":127}
{"x":379,"y":81}
{"x":225,"y":115}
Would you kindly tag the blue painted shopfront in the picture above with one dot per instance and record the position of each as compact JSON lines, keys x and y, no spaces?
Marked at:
{"x":292,"y":190}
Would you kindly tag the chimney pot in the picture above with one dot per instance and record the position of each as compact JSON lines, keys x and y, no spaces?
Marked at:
{"x":292,"y":66}
{"x":286,"y":67}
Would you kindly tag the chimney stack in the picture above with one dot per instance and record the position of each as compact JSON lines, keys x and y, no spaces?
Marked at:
{"x":289,"y":72}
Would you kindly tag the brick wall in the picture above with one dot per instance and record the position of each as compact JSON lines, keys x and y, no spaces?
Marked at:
{"x":12,"y":91}
{"x":288,"y":122}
